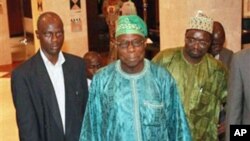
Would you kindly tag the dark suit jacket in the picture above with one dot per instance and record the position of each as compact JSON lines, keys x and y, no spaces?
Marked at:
{"x":37,"y":110}
{"x":226,"y":57}
{"x":238,"y":107}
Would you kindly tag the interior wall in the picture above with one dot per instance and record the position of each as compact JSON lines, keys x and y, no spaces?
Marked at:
{"x":174,"y":16}
{"x":5,"y":51}
{"x":75,"y":41}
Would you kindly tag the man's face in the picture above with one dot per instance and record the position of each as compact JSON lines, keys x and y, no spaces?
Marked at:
{"x":131,"y":51}
{"x":51,"y":36}
{"x":218,"y":42}
{"x":197,"y":43}
{"x":93,"y":64}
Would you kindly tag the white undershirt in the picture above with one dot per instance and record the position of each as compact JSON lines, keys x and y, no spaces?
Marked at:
{"x":89,"y":82}
{"x":57,"y":79}
{"x":217,"y":57}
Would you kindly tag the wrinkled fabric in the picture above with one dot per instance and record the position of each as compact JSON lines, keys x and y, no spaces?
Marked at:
{"x":134,"y":107}
{"x":203,"y":88}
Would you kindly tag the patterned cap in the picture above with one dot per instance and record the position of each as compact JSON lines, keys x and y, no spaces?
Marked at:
{"x":201,"y":22}
{"x":131,"y":24}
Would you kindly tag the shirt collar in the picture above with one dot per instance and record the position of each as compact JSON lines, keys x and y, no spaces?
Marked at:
{"x":217,"y":56}
{"x":132,"y":76}
{"x":60,"y":60}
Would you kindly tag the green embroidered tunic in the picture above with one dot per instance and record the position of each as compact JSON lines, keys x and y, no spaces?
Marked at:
{"x":203,"y":88}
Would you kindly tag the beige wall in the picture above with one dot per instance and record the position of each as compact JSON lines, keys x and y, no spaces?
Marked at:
{"x":75,"y":42}
{"x":246,"y":8}
{"x":5,"y":51}
{"x":174,"y":17}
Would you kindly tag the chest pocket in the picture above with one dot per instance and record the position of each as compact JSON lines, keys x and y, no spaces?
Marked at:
{"x":206,"y":101}
{"x":152,"y":113}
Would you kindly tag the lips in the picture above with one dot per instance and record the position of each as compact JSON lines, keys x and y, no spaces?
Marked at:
{"x":54,"y":47}
{"x":132,"y":59}
{"x":195,"y":51}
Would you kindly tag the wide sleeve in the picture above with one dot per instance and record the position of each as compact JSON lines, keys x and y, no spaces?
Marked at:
{"x":222,"y":85}
{"x":178,"y":125}
{"x":91,"y":126}
{"x":25,"y":113}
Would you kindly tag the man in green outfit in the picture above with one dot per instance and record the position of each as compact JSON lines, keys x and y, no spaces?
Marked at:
{"x":202,"y":81}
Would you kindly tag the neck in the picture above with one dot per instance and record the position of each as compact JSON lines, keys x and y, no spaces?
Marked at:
{"x":132,"y":70}
{"x":53,"y":59}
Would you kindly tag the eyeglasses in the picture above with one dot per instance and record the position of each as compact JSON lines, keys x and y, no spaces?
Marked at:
{"x":201,"y":43}
{"x":135,"y":43}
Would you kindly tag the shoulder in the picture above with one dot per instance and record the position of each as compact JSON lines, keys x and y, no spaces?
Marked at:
{"x":28,"y":66}
{"x":73,"y":62}
{"x":243,"y":55}
{"x":107,"y":70}
{"x":215,"y":65}
{"x":166,"y":55}
{"x":226,"y":51}
{"x":159,"y":72}
{"x":168,"y":52}
{"x":72,"y":58}
{"x":104,"y":75}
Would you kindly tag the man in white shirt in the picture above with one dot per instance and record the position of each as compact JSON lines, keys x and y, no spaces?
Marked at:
{"x":50,"y":89}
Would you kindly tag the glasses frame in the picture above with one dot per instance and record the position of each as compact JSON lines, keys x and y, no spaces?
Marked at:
{"x":136,"y":43}
{"x":192,"y":41}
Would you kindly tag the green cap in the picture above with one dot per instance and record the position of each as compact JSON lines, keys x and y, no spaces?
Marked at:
{"x":131,"y":24}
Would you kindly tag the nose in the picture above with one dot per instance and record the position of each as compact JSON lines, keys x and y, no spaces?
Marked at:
{"x":130,"y":47}
{"x":196,"y":44}
{"x":54,"y":37}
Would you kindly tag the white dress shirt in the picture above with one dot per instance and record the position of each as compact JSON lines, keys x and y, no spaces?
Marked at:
{"x":57,"y":79}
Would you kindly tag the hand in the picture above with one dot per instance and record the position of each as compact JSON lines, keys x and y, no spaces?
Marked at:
{"x":221,"y":128}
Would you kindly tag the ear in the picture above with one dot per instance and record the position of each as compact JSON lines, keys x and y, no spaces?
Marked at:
{"x":37,"y":34}
{"x":145,"y":42}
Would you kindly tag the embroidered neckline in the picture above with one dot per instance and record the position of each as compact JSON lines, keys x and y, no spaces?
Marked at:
{"x":132,"y":76}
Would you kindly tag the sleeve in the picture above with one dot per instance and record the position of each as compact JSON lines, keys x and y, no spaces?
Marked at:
{"x":234,"y":100}
{"x":26,"y":119}
{"x":178,"y":125}
{"x":91,"y":126}
{"x":223,"y":85}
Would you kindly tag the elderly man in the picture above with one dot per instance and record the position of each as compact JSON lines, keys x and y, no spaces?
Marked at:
{"x":133,"y":99}
{"x":202,"y":81}
{"x":50,"y":89}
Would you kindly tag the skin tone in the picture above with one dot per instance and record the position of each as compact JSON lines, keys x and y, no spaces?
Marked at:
{"x":131,"y":52}
{"x":218,"y":39}
{"x":197,"y":43}
{"x":93,"y":62}
{"x":74,"y":1}
{"x":51,"y":35}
